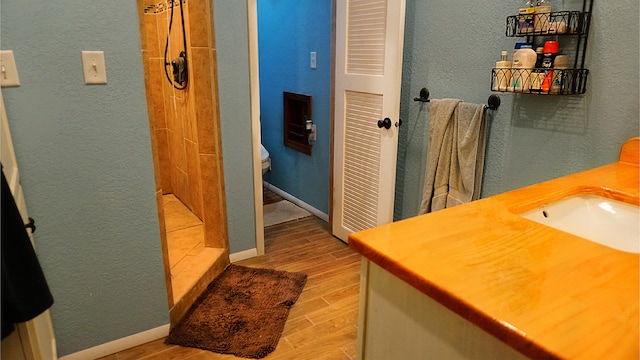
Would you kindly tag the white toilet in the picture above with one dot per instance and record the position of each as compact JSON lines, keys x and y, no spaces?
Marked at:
{"x":266,"y":161}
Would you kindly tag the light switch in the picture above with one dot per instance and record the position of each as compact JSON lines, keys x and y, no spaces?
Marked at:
{"x":313,"y":60}
{"x":94,"y":68}
{"x":8,"y":69}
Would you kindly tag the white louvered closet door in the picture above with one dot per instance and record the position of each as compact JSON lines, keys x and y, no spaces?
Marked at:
{"x":369,"y":39}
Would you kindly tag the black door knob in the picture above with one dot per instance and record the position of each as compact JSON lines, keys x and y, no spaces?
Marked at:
{"x":386,"y":123}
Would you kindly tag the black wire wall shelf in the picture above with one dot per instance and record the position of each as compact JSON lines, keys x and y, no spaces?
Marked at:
{"x":537,"y":28}
{"x":555,"y":23}
{"x":540,"y":81}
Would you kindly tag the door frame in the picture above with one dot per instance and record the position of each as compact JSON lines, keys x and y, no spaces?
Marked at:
{"x":254,"y":79}
{"x":35,"y":337}
{"x":210,"y":172}
{"x":332,"y":108}
{"x":256,"y":140}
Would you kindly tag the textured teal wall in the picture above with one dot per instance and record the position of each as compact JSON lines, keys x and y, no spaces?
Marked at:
{"x":450,"y":48}
{"x":85,"y":157}
{"x":287,"y":32}
{"x":232,"y":47}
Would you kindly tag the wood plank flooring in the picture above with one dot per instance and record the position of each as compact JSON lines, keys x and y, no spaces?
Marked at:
{"x":322,"y":323}
{"x":269,"y":197}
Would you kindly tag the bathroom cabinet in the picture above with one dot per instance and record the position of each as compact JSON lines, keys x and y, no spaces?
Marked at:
{"x":480,"y":281}
{"x":571,"y":30}
{"x":403,"y":323}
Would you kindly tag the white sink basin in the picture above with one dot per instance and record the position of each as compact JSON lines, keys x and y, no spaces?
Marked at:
{"x":608,"y":222}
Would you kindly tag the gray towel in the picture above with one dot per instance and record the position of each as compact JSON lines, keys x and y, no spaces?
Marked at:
{"x":439,"y":147}
{"x":455,"y":154}
{"x":467,"y":157}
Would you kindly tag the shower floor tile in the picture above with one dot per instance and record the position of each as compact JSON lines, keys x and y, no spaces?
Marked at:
{"x":185,"y":242}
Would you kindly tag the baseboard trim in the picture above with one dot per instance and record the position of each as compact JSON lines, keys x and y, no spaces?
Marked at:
{"x":243,"y":255}
{"x":297,"y":201}
{"x":124,"y":343}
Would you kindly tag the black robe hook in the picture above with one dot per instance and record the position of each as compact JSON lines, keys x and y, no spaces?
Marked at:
{"x":424,"y":95}
{"x":493,"y":102}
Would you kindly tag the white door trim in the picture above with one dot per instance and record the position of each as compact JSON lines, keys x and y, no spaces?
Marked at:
{"x":37,"y":336}
{"x":256,"y":141}
{"x":121,"y":344}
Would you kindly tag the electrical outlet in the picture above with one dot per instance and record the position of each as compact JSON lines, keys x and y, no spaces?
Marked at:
{"x":95,"y":71}
{"x":313,"y":60}
{"x":8,"y":69}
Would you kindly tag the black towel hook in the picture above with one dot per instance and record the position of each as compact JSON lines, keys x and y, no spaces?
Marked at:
{"x":424,"y":95}
{"x":493,"y":102}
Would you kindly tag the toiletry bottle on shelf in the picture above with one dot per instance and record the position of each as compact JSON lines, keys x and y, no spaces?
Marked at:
{"x":526,"y":17}
{"x":560,"y":64}
{"x":518,"y":45}
{"x":537,"y":74}
{"x":558,"y":22}
{"x":515,"y":72}
{"x":550,"y":52}
{"x":542,"y":17}
{"x":502,"y":73}
{"x":524,"y":59}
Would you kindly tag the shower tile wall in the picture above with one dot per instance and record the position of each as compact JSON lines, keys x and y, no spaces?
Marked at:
{"x":186,"y":123}
{"x":176,"y":113}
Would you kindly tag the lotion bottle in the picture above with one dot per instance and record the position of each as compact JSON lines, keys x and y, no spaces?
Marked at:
{"x":502,"y":75}
{"x":524,"y":59}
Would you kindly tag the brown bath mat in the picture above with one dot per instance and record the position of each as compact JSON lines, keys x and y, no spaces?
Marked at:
{"x":242,"y":312}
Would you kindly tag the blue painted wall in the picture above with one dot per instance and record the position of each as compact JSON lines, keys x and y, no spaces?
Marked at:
{"x":288,"y":30}
{"x":450,"y":48}
{"x":85,"y":157}
{"x":232,"y":51}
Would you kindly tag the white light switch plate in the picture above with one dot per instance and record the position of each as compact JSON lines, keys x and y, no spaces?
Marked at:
{"x":313,"y":60}
{"x":95,"y":71}
{"x":8,"y":69}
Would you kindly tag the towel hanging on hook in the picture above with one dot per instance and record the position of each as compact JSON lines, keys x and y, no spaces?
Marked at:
{"x":455,"y":154}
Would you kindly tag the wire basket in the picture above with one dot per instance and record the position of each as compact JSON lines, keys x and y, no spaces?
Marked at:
{"x":553,"y":23}
{"x":540,"y":81}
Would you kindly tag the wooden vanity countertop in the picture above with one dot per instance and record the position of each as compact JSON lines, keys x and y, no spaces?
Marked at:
{"x":544,"y":292}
